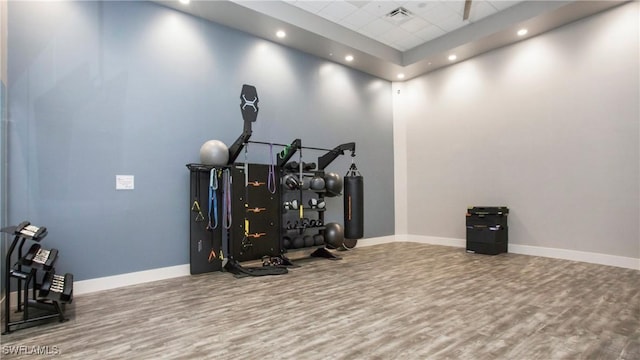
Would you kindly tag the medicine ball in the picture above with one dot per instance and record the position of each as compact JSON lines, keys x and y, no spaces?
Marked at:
{"x":318,"y":239}
{"x":333,"y":184}
{"x":317,"y":183}
{"x":308,"y":241}
{"x":306,"y":183}
{"x":286,"y":242}
{"x":298,"y":242}
{"x":334,"y":235}
{"x":291,"y":182}
{"x":214,"y":152}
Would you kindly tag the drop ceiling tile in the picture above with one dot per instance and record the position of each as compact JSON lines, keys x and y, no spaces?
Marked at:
{"x":501,"y":5}
{"x":409,"y":42}
{"x":376,"y":27}
{"x":311,"y":6}
{"x":458,"y":5}
{"x":337,"y":11}
{"x":358,"y":3}
{"x":415,"y":24}
{"x":357,"y":19}
{"x":429,"y":33}
{"x":380,"y":8}
{"x":438,"y":14}
{"x":481,"y":10}
{"x":451,"y":23}
{"x":395,"y":34}
{"x":420,"y":7}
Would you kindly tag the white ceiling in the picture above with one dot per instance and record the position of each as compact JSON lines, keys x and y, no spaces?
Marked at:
{"x":380,"y":45}
{"x":425,"y":20}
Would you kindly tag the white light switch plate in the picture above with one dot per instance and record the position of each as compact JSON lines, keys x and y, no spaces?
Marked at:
{"x":124,"y":182}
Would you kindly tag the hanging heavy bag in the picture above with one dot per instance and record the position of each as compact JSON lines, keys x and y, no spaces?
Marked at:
{"x":353,"y":204}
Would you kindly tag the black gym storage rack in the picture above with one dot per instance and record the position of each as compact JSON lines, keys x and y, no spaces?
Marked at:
{"x":487,"y":229}
{"x":49,"y":296}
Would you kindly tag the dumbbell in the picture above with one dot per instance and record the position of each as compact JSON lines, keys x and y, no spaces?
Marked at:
{"x":316,"y":204}
{"x":292,"y":165}
{"x":291,"y":205}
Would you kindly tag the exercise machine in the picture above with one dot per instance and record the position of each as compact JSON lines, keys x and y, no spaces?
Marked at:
{"x":272,"y":208}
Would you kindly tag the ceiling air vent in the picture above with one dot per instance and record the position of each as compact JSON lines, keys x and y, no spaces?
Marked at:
{"x":399,"y":15}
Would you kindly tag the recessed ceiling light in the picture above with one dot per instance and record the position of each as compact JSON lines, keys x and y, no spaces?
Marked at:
{"x":186,"y":2}
{"x":401,"y":76}
{"x":281,"y":34}
{"x":349,"y":58}
{"x":522,"y":32}
{"x":452,"y":57}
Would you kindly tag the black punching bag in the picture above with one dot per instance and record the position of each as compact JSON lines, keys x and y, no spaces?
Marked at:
{"x":353,"y":204}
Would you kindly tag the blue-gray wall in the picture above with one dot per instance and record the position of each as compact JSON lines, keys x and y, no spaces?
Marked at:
{"x":3,"y":134}
{"x":97,"y":89}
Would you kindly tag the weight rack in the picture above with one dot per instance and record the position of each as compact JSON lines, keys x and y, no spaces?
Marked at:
{"x":51,"y":295}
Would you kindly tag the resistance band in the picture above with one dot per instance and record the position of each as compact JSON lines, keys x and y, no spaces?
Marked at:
{"x":246,"y":243}
{"x":213,"y":199}
{"x":196,"y":205}
{"x":271,"y":181}
{"x":226,"y":204}
{"x":226,"y":210}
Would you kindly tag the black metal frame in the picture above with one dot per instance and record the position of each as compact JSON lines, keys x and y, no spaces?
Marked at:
{"x":28,"y":280}
{"x":291,"y":149}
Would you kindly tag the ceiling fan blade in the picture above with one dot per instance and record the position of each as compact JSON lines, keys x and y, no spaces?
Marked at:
{"x":467,"y":9}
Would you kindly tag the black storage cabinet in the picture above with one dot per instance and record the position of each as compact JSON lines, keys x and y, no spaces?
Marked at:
{"x":487,"y":229}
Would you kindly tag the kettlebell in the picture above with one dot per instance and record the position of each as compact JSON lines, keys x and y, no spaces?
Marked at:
{"x":291,"y":182}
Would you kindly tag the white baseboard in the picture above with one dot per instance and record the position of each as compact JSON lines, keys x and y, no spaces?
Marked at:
{"x":433,"y":240}
{"x":140,"y":277}
{"x":376,"y":240}
{"x":134,"y":278}
{"x":116,"y":281}
{"x":575,"y":255}
{"x":564,"y":254}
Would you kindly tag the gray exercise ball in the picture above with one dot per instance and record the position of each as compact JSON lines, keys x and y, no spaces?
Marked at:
{"x":332,"y":184}
{"x":334,"y":235}
{"x":214,"y":152}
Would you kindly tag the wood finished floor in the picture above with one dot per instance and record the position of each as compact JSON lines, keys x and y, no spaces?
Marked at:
{"x":390,"y":301}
